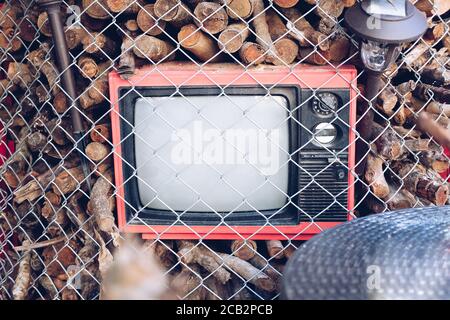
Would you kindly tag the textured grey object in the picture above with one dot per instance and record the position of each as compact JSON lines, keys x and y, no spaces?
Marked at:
{"x":403,"y":254}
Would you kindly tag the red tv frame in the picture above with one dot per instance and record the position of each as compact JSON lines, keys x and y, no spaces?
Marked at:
{"x":187,"y":75}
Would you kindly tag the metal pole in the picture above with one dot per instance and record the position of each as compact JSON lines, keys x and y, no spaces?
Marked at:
{"x":52,"y":7}
{"x":364,"y":126}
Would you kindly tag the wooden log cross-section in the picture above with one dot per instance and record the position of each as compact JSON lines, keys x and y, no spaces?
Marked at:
{"x":96,"y":9}
{"x":211,"y":17}
{"x":387,"y":142}
{"x":125,"y":6}
{"x":232,"y":38}
{"x":239,"y":9}
{"x":251,"y":53}
{"x":199,"y":43}
{"x":89,"y":67}
{"x":99,"y":45}
{"x":148,"y":22}
{"x":416,"y":181}
{"x":244,"y":249}
{"x":174,"y":12}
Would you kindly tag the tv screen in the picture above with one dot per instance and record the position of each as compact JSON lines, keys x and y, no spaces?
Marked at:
{"x":226,"y":153}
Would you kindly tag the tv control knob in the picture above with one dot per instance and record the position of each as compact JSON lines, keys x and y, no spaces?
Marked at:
{"x":325,"y":104}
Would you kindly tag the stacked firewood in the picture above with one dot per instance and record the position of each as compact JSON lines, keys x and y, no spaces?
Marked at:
{"x":63,"y":237}
{"x":406,"y":158}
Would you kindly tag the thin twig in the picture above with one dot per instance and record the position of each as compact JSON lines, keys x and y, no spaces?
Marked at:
{"x":41,"y":244}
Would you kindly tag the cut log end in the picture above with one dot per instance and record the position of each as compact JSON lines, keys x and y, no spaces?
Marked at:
{"x":211,"y":17}
{"x":239,"y":9}
{"x":252,"y":53}
{"x":100,"y":133}
{"x":275,"y":249}
{"x":286,"y":3}
{"x":173,"y":11}
{"x":197,"y":42}
{"x":97,"y":151}
{"x":244,"y":250}
{"x":88,"y":67}
{"x":117,"y":6}
{"x":147,"y":22}
{"x":434,"y":191}
{"x":233,"y":37}
{"x":287,"y":51}
{"x":189,"y":35}
{"x":97,"y":9}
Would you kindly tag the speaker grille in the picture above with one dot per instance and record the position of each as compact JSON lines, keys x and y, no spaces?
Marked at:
{"x":323,"y":193}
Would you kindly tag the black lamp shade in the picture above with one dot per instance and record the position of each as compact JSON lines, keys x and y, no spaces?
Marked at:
{"x":385,"y":28}
{"x":47,"y":3}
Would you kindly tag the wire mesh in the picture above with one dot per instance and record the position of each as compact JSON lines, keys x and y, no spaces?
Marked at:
{"x":58,"y":240}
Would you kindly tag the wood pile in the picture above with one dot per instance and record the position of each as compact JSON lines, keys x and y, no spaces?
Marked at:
{"x":404,"y":164}
{"x":63,"y":233}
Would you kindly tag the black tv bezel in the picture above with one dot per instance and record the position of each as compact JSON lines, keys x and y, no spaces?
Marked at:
{"x":136,"y":213}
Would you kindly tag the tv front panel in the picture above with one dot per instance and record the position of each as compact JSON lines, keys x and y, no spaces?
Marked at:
{"x":213,"y":159}
{"x":226,"y":153}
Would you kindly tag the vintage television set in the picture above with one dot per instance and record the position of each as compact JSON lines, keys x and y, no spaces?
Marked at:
{"x":223,"y":152}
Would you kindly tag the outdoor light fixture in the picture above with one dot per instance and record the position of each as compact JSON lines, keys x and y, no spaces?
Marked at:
{"x":53,"y":9}
{"x":382,"y":26}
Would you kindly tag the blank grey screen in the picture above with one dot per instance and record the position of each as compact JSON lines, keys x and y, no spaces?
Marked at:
{"x":212,"y":153}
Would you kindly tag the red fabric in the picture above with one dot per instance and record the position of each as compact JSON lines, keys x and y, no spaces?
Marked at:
{"x":6,"y":149}
{"x":446,"y":173}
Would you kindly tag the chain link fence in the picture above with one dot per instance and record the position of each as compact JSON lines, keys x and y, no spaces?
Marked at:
{"x":60,"y":240}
